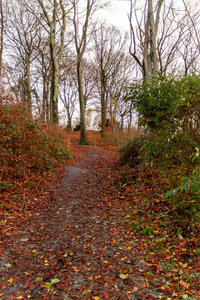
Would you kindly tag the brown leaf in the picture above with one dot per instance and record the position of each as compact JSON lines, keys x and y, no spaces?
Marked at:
{"x":184,"y":284}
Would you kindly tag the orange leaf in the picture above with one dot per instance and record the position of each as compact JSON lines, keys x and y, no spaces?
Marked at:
{"x":90,"y":278}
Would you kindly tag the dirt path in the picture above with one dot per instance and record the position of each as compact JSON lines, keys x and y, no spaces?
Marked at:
{"x":75,"y":244}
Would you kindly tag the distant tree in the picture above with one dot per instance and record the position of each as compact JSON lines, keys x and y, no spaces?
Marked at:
{"x":112,"y":67}
{"x":82,"y":13}
{"x":21,"y":32}
{"x":80,"y":38}
{"x":68,"y":92}
{"x":43,"y":65}
{"x":190,"y":51}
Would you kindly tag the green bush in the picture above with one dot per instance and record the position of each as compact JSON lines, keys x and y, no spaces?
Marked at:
{"x":186,"y":197}
{"x":169,"y":110}
{"x":129,"y":153}
{"x":169,"y":106}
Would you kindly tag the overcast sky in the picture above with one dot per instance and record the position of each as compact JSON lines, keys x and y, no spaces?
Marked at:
{"x":117,"y":14}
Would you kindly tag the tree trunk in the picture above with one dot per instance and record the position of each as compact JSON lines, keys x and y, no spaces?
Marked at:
{"x":56,"y":55}
{"x":83,"y":138}
{"x":1,"y":37}
{"x":103,"y":103}
{"x":55,"y":80}
{"x":28,"y":86}
{"x":44,"y":99}
{"x":69,"y":121}
{"x":54,"y":93}
{"x":154,"y":56}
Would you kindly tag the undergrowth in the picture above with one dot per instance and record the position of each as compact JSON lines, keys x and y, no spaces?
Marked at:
{"x":29,"y":149}
{"x":170,"y":147}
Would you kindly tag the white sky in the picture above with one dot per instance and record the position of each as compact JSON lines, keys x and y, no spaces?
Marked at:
{"x":117,"y":14}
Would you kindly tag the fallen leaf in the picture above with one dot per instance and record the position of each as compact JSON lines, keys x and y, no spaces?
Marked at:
{"x":84,"y":293}
{"x":90,"y":278}
{"x":24,"y":240}
{"x":122,"y":276}
{"x":55,"y":280}
{"x":184,"y":284}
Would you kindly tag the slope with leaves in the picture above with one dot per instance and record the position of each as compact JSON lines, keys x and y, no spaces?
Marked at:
{"x":29,"y":151}
{"x":169,"y":244}
{"x":85,"y":239}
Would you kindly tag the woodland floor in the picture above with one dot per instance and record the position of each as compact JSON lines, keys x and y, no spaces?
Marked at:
{"x":75,"y":241}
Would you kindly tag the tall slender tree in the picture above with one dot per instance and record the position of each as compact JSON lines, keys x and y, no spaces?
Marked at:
{"x":80,"y":43}
{"x":52,"y":16}
{"x":1,"y":34}
{"x":22,"y":34}
{"x":82,"y":10}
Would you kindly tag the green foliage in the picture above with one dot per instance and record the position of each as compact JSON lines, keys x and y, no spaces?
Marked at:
{"x":129,"y":153}
{"x":169,"y":110}
{"x":148,"y":230}
{"x":186,"y":197}
{"x":138,"y":226}
{"x":77,"y":127}
{"x":83,"y":143}
{"x":169,"y":104}
{"x":5,"y":185}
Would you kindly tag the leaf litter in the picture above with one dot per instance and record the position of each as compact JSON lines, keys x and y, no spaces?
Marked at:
{"x":90,"y":238}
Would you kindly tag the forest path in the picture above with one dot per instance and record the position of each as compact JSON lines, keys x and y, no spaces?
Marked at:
{"x":75,"y":243}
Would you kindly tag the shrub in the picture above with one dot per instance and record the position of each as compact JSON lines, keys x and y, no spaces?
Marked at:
{"x":27,"y":145}
{"x":186,"y":197}
{"x":169,"y":106}
{"x":129,"y":153}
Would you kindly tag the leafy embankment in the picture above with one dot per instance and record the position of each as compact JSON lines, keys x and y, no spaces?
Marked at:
{"x":159,"y":177}
{"x":29,"y":153}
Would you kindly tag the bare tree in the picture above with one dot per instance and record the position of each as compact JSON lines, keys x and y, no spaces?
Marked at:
{"x":1,"y":34}
{"x":191,"y":45}
{"x":89,"y":84}
{"x":157,"y":37}
{"x":56,"y":56}
{"x":68,"y":92}
{"x":80,"y":44}
{"x":53,"y":20}
{"x":82,"y":13}
{"x":44,"y":76}
{"x":21,"y":32}
{"x":110,"y":57}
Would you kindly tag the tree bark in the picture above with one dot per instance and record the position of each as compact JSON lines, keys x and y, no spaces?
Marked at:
{"x":83,"y":137}
{"x":28,"y":86}
{"x":55,"y":57}
{"x":80,"y":43}
{"x":1,"y":38}
{"x":153,"y":33}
